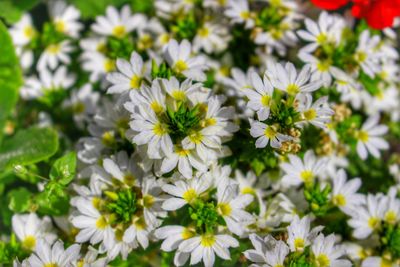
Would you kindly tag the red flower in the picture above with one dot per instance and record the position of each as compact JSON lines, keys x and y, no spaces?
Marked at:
{"x":379,"y":14}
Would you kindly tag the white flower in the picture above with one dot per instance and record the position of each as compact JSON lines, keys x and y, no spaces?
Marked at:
{"x":326,"y":253}
{"x":182,"y":62}
{"x":23,"y":31}
{"x":184,"y":192}
{"x":267,"y":134}
{"x":366,"y":54}
{"x":83,"y":103}
{"x":47,"y":82}
{"x":29,"y":228}
{"x":55,"y":255}
{"x":267,"y":251}
{"x":239,"y":12}
{"x":54,"y":54}
{"x":317,"y":113}
{"x":377,"y":261}
{"x":367,"y":218}
{"x":117,"y":24}
{"x":298,"y":171}
{"x":287,"y":79}
{"x":185,"y":159}
{"x":260,"y":95}
{"x":150,"y":131}
{"x":299,"y":234}
{"x":369,"y":138}
{"x":211,"y":37}
{"x":129,"y":75}
{"x":328,"y":30}
{"x":205,"y":247}
{"x":65,"y":18}
{"x":344,"y":194}
{"x":231,"y":207}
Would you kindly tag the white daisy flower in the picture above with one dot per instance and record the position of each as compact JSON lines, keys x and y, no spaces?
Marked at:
{"x":231,"y":207}
{"x":211,"y":37}
{"x":180,"y":91}
{"x":204,"y":247}
{"x":23,"y":31}
{"x":29,"y":228}
{"x":344,"y":194}
{"x":377,"y":261}
{"x":299,"y":171}
{"x":366,"y":54}
{"x":184,"y":192}
{"x":328,"y":30}
{"x":367,"y":218}
{"x":326,"y":253}
{"x":299,"y":234}
{"x":54,"y":255}
{"x":267,"y":134}
{"x":47,"y":82}
{"x":182,"y":62}
{"x":267,"y":252}
{"x":65,"y":18}
{"x":239,"y":12}
{"x":117,"y":24}
{"x":318,"y":113}
{"x":287,"y":79}
{"x":54,"y":54}
{"x":129,"y":75}
{"x":260,"y":96}
{"x":369,"y":138}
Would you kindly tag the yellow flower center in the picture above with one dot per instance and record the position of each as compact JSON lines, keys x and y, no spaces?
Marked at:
{"x":196,"y":137}
{"x":109,"y":65}
{"x":385,"y":263}
{"x":101,"y":223}
{"x":140,"y":223}
{"x":119,"y":31}
{"x":247,"y":190}
{"x":225,"y":209}
{"x":323,"y":66}
{"x":135,"y":82}
{"x":29,"y":242}
{"x":307,"y":176}
{"x":148,"y":201}
{"x":60,"y":25}
{"x":299,"y":244}
{"x":182,"y":152}
{"x":310,"y":114}
{"x":53,"y":49}
{"x":96,"y":202}
{"x":203,"y":32}
{"x":321,"y":38}
{"x":363,"y":136}
{"x":207,"y":240}
{"x":186,"y":234}
{"x":245,"y":14}
{"x":373,"y":222}
{"x":189,"y":195}
{"x":322,"y":260}
{"x":269,"y":132}
{"x":159,"y":129}
{"x":208,"y":122}
{"x":129,"y":179}
{"x":361,"y":56}
{"x":391,"y":217}
{"x":180,"y":66}
{"x":293,"y":89}
{"x":50,"y":265}
{"x":339,"y":200}
{"x":108,"y":138}
{"x":156,"y":107}
{"x":29,"y":32}
{"x":178,"y":95}
{"x":265,"y":100}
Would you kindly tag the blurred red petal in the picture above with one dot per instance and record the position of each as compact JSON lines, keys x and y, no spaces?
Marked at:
{"x":329,"y":4}
{"x":379,"y":13}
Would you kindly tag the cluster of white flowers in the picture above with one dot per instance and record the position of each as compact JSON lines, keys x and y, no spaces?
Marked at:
{"x":211,"y":127}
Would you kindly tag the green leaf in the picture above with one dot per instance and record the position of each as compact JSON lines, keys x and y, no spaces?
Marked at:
{"x":64,"y":169}
{"x":19,"y":200}
{"x":10,"y":76}
{"x":12,"y":10}
{"x":28,"y":146}
{"x":54,"y":205}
